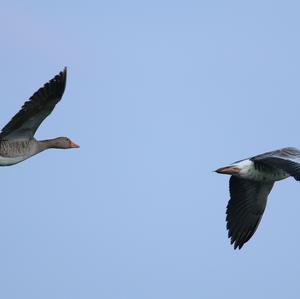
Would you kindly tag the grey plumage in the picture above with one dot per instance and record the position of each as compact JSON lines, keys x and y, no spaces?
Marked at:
{"x":14,"y":149}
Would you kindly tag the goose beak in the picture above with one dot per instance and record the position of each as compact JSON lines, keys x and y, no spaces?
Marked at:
{"x":228,"y":170}
{"x":74,"y":145}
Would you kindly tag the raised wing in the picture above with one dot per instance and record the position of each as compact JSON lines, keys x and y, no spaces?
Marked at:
{"x":25,"y":123}
{"x":287,"y":159}
{"x":245,"y":208}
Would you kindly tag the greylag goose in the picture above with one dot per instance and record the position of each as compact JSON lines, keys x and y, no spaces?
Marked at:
{"x":250,"y":183}
{"x":17,"y":141}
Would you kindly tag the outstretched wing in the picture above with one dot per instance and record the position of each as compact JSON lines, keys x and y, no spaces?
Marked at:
{"x":25,"y":123}
{"x":287,"y":159}
{"x":245,"y":208}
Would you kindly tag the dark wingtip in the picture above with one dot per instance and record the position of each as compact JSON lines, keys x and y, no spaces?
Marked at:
{"x":63,"y":74}
{"x":54,"y":87}
{"x":236,"y":244}
{"x":61,"y":79}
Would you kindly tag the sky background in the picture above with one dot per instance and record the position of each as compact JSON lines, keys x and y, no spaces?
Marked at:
{"x":159,"y":94}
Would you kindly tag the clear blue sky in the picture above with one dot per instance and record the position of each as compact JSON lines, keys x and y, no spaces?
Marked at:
{"x":159,"y":94}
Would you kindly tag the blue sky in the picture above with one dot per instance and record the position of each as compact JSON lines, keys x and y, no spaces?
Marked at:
{"x":159,"y":94}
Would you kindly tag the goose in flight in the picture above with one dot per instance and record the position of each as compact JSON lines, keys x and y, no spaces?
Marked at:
{"x":250,"y":183}
{"x":17,"y":141}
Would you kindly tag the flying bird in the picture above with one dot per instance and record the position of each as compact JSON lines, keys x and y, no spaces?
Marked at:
{"x":17,"y":142}
{"x":250,"y":183}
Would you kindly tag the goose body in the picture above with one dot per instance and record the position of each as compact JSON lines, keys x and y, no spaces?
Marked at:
{"x":250,"y":183}
{"x":17,"y":142}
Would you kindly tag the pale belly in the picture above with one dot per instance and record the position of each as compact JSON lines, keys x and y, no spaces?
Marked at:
{"x":7,"y":161}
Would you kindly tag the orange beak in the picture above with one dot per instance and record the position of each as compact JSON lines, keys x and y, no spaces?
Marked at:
{"x":228,"y":170}
{"x":74,"y":145}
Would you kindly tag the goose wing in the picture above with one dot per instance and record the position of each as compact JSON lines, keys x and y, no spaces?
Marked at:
{"x":245,"y":208}
{"x":287,"y":159}
{"x":25,"y":123}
